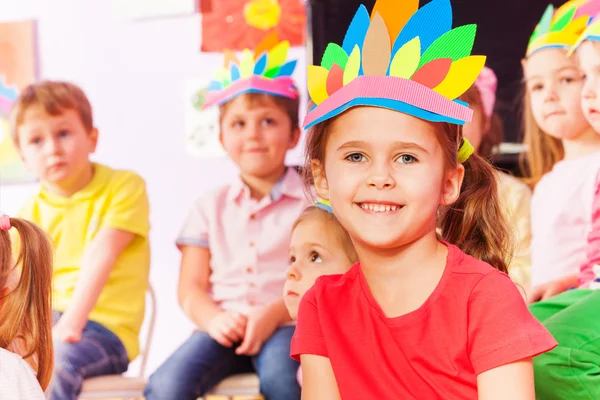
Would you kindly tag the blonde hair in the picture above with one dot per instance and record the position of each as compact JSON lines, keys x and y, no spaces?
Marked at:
{"x":313,"y":212}
{"x":54,"y":97}
{"x":288,"y":105}
{"x":475,"y":222}
{"x":26,"y":312}
{"x":543,"y":150}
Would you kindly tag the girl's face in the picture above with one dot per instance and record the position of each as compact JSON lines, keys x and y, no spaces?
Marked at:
{"x":385,"y":176}
{"x":589,"y":61}
{"x":315,"y":250}
{"x":554,"y":84}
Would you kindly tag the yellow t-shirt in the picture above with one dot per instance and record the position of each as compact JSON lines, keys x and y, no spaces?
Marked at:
{"x":113,"y":199}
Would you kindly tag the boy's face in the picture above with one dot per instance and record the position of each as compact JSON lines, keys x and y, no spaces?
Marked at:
{"x":589,"y":60}
{"x":56,"y":148}
{"x":257,"y":137}
{"x":314,"y":251}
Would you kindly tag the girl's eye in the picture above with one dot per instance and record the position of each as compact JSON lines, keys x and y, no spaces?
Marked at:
{"x":406,"y":159}
{"x":268,"y":121}
{"x":63,"y":133}
{"x":238,"y":124}
{"x":355,"y":157}
{"x":292,"y":259}
{"x":315,"y":257}
{"x":35,"y":140}
{"x":567,"y":79}
{"x":537,"y":87}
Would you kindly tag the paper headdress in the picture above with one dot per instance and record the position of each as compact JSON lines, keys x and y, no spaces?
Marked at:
{"x":263,"y":70}
{"x":401,"y":58}
{"x":592,"y":32}
{"x":8,"y":95}
{"x":562,"y":28}
{"x":324,"y":205}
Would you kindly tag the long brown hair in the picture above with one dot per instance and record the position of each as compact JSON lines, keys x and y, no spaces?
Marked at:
{"x":475,"y":222}
{"x":543,"y":150}
{"x":26,"y":312}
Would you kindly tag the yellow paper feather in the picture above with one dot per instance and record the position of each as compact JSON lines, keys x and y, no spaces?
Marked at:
{"x":223,"y":75}
{"x":461,"y":76}
{"x":352,"y":66}
{"x":377,"y":49}
{"x":247,"y":64}
{"x":277,"y":55}
{"x":317,"y":83}
{"x":406,"y":60}
{"x":394,"y":14}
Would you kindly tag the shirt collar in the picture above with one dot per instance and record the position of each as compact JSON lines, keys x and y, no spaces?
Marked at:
{"x":98,"y":181}
{"x":289,"y":184}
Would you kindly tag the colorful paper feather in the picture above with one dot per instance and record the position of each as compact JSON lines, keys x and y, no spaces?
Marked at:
{"x":592,"y":31}
{"x":415,"y":51}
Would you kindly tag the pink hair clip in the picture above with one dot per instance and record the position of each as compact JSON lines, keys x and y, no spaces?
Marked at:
{"x":5,"y":222}
{"x":487,"y":83}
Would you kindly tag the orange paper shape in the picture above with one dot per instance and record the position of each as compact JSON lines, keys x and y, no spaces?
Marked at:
{"x":432,"y":73}
{"x":240,"y":24}
{"x":335,"y":79}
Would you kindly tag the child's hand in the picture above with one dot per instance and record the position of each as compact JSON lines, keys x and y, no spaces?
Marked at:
{"x":227,"y":328}
{"x":546,"y":291}
{"x":66,"y":332}
{"x":262,"y":322}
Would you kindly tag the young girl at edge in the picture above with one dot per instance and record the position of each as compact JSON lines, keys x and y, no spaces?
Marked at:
{"x":25,"y":312}
{"x":416,"y":318}
{"x":562,"y":159}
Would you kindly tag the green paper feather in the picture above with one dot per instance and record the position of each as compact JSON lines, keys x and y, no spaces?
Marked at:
{"x":563,"y":21}
{"x":272,"y":73}
{"x":454,"y":44}
{"x":544,"y":25}
{"x":334,"y":54}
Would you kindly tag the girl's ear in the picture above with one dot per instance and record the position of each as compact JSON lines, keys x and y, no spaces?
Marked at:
{"x":320,"y":180}
{"x":452,"y":184}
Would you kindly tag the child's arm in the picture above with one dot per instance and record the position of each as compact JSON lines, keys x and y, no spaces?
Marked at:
{"x":97,"y":263}
{"x":512,"y":381}
{"x":195,"y":300}
{"x":552,"y":288}
{"x":318,"y":380}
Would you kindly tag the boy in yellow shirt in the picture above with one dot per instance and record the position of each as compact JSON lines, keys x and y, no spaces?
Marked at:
{"x":97,"y":218}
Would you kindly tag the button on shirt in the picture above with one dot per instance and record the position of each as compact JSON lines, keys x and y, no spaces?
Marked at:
{"x":248,"y":240}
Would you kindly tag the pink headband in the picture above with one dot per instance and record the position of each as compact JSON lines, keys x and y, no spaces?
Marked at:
{"x":487,"y":83}
{"x":4,"y":222}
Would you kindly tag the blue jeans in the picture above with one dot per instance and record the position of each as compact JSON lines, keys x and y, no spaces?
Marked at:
{"x":99,"y":352}
{"x":201,"y":363}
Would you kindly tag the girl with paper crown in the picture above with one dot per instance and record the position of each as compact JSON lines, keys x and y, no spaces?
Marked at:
{"x":562,"y":147}
{"x":421,"y":318}
{"x":571,"y":370}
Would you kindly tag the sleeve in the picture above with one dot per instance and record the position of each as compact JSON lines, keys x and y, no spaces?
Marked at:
{"x":195,"y":228}
{"x":501,"y":330}
{"x":592,"y":262}
{"x":308,"y":338}
{"x":128,"y":209}
{"x":19,"y":382}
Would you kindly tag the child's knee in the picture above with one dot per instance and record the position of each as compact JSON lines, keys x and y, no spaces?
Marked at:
{"x":162,"y":385}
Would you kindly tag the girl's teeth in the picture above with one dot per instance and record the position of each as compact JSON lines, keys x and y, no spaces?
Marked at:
{"x":379,"y":207}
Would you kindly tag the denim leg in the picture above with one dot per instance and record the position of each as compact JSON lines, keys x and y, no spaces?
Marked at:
{"x":194,"y":369}
{"x":276,"y":369}
{"x":99,"y":352}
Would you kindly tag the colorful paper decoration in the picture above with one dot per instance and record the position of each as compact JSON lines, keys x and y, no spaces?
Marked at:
{"x":592,"y":32}
{"x":264,"y":70}
{"x":561,"y":28}
{"x":240,"y":24}
{"x":400,"y":57}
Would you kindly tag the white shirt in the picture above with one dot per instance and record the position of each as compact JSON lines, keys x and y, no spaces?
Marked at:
{"x":561,"y":214}
{"x":17,"y":379}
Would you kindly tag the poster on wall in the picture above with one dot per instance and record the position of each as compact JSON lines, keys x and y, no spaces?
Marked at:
{"x":201,"y":126}
{"x":18,"y":68}
{"x":247,"y":22}
{"x":142,"y":9}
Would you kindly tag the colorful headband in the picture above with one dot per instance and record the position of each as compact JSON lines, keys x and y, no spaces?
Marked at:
{"x":263,"y":70}
{"x":561,"y":29}
{"x":592,"y":32}
{"x":401,"y":58}
{"x":5,"y":222}
{"x":324,"y":205}
{"x":486,"y":84}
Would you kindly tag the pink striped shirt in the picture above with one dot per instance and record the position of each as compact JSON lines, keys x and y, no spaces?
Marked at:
{"x":248,"y":240}
{"x":589,"y":276}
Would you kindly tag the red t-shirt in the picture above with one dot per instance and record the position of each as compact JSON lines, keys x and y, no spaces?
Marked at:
{"x":474,"y":320}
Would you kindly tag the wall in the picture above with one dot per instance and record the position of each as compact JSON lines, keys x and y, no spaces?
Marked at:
{"x":134,"y":74}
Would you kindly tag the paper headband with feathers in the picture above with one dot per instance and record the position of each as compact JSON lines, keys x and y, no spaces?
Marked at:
{"x":263,"y":70}
{"x":592,"y":31}
{"x":562,"y":28}
{"x":400,"y":57}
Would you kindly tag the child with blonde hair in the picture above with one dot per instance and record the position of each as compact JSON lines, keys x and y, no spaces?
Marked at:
{"x":416,"y":317}
{"x":563,"y":150}
{"x":98,"y":220}
{"x":26,"y":354}
{"x":572,"y":370}
{"x":235,"y":241}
